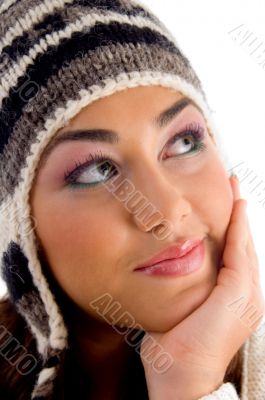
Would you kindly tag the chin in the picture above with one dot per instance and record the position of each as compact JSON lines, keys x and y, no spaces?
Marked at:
{"x":164,"y":321}
{"x":161,"y":323}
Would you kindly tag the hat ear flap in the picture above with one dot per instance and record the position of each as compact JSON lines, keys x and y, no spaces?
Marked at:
{"x":22,"y":290}
{"x":15,"y":272}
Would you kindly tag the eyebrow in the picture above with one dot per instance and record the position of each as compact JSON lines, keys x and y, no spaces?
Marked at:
{"x":111,"y":137}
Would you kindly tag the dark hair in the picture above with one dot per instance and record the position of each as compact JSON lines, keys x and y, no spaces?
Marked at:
{"x":68,"y":384}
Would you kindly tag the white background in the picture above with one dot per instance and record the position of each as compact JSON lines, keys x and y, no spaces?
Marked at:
{"x":226,"y":59}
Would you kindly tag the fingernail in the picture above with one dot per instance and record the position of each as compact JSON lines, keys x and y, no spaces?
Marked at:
{"x":234,"y":176}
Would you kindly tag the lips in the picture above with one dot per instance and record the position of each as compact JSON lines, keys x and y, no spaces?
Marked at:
{"x":172,"y":252}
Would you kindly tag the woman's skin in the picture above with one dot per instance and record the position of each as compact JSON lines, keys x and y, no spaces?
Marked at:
{"x":204,"y":343}
{"x":93,"y":242}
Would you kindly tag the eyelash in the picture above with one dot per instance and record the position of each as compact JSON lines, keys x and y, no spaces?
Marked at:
{"x":195,"y":130}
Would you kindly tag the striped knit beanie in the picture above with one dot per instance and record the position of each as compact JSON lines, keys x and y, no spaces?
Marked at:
{"x":56,"y":57}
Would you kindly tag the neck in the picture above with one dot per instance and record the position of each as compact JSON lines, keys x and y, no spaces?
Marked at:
{"x":102,"y":353}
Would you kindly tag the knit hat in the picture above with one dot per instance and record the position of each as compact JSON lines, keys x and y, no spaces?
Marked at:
{"x":56,"y":57}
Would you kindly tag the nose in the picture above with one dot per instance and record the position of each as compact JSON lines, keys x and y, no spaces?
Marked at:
{"x":157,"y":202}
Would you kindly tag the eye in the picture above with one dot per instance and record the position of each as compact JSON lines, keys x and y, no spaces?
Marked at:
{"x":189,"y":141}
{"x":97,"y":168}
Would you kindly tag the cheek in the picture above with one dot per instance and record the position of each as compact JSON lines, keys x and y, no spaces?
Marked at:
{"x":216,"y":200}
{"x":83,"y":246}
{"x":71,"y":234}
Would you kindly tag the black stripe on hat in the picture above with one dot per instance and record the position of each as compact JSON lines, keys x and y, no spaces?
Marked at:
{"x":22,"y":44}
{"x":49,"y":63}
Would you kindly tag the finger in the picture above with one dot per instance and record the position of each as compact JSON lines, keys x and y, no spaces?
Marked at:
{"x":239,"y":216}
{"x":237,"y":195}
{"x":235,"y":253}
{"x":250,"y":248}
{"x":251,"y":261}
{"x":252,"y":254}
{"x":252,"y":258}
{"x":237,"y":233}
{"x":235,"y":187}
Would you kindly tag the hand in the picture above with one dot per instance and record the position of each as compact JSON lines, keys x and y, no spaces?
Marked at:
{"x":204,"y":343}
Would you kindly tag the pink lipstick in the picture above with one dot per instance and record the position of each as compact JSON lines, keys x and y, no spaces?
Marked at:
{"x":176,"y":261}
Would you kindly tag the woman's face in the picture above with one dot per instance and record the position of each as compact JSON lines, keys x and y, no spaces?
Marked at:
{"x":93,"y":241}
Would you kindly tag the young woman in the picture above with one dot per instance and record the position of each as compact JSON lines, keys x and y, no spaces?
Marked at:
{"x":125,"y":244}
